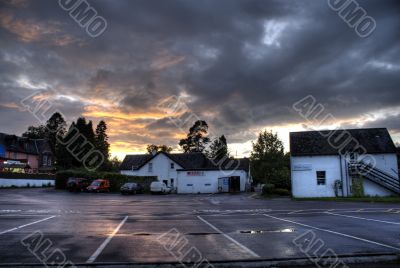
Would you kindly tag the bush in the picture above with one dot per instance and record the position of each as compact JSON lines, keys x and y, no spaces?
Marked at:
{"x":281,"y":192}
{"x":357,"y":187}
{"x":268,"y":189}
{"x":281,"y":178}
{"x":116,"y":179}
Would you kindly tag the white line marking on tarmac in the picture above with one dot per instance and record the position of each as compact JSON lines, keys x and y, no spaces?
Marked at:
{"x":333,"y":232}
{"x":25,"y":225}
{"x":361,"y":218}
{"x":230,"y":238}
{"x":105,"y":243}
{"x":295,"y":211}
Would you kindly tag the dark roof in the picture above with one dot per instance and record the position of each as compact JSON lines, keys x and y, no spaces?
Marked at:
{"x":14,"y":143}
{"x":135,"y":161}
{"x":188,"y":161}
{"x":374,"y":140}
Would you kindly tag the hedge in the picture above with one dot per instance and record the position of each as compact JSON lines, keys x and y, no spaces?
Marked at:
{"x":33,"y":176}
{"x":116,"y":179}
{"x":271,"y":190}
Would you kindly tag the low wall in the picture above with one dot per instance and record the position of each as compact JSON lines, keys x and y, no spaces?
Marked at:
{"x":25,"y":182}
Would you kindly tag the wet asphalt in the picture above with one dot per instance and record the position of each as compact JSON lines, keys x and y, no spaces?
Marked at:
{"x":45,"y":225}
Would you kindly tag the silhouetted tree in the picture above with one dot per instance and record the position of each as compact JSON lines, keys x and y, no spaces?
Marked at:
{"x":158,"y":148}
{"x":101,"y":142}
{"x":35,"y":132}
{"x":55,"y":130}
{"x":196,"y":139}
{"x":218,"y":149}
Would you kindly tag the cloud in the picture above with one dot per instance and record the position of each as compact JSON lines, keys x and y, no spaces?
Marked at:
{"x":238,"y":64}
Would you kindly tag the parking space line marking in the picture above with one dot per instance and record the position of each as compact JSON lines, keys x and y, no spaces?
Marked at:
{"x":230,"y":238}
{"x":25,"y":225}
{"x":295,"y":211}
{"x":334,"y":232}
{"x":105,"y":243}
{"x":361,"y":218}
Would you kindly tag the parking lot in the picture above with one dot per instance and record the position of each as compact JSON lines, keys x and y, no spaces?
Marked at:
{"x":110,"y":228}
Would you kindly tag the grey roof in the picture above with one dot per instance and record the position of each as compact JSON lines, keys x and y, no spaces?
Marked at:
{"x":188,"y":161}
{"x":374,"y":140}
{"x":14,"y":143}
{"x":135,"y":162}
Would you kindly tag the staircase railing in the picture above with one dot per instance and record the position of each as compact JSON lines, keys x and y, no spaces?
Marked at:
{"x":376,"y":175}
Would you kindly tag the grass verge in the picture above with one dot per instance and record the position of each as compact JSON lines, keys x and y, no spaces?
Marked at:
{"x":389,"y":199}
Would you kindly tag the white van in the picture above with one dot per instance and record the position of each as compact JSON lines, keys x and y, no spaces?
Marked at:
{"x":159,"y":187}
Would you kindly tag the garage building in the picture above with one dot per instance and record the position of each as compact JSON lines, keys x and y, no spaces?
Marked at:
{"x":190,"y":172}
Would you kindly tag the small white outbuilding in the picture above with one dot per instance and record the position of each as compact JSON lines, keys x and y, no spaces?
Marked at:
{"x":190,"y":172}
{"x":327,"y":163}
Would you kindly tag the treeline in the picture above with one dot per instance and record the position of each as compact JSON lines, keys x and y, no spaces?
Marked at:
{"x":79,"y":145}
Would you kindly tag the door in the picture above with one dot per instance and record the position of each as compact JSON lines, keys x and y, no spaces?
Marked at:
{"x":234,"y":184}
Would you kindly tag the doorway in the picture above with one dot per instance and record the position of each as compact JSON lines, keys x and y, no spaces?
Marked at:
{"x":234,"y":184}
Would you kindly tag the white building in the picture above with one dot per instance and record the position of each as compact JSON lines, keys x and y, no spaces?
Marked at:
{"x":325,"y":163}
{"x":190,"y":172}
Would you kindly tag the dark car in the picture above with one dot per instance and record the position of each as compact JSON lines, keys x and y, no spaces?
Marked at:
{"x":131,"y":188}
{"x":77,"y":184}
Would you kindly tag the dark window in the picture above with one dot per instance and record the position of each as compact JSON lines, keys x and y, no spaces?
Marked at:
{"x":172,"y":165}
{"x":207,"y":184}
{"x":189,"y":184}
{"x":321,"y":177}
{"x":172,"y":182}
{"x":150,"y":167}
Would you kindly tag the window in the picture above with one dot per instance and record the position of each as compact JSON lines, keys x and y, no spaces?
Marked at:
{"x":207,"y":184}
{"x":165,"y":182}
{"x":189,"y":184}
{"x":321,"y":177}
{"x":49,"y":161}
{"x":172,"y":165}
{"x":44,"y":162}
{"x":150,"y":167}
{"x":172,"y":182}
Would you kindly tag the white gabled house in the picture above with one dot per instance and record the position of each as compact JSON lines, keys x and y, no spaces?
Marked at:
{"x":324,"y":163}
{"x":190,"y":172}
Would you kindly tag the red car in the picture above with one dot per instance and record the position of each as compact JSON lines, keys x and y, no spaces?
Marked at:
{"x":99,"y":186}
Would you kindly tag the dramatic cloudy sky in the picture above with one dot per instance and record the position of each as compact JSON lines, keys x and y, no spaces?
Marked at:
{"x":238,"y":64}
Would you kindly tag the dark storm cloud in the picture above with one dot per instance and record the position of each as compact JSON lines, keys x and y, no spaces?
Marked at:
{"x":240,"y":63}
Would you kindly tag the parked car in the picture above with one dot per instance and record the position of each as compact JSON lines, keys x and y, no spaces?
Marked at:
{"x":131,"y":188}
{"x":77,"y":184}
{"x":99,"y":186}
{"x":159,"y":187}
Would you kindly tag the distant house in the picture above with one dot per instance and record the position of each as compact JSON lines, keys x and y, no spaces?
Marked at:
{"x":23,"y":154}
{"x":325,"y":164}
{"x":191,"y":172}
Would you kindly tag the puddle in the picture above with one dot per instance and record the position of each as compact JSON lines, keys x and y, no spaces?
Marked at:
{"x":142,"y":234}
{"x":202,"y":233}
{"x":287,"y":230}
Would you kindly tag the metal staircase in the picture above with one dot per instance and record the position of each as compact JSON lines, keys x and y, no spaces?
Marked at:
{"x":376,"y":175}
